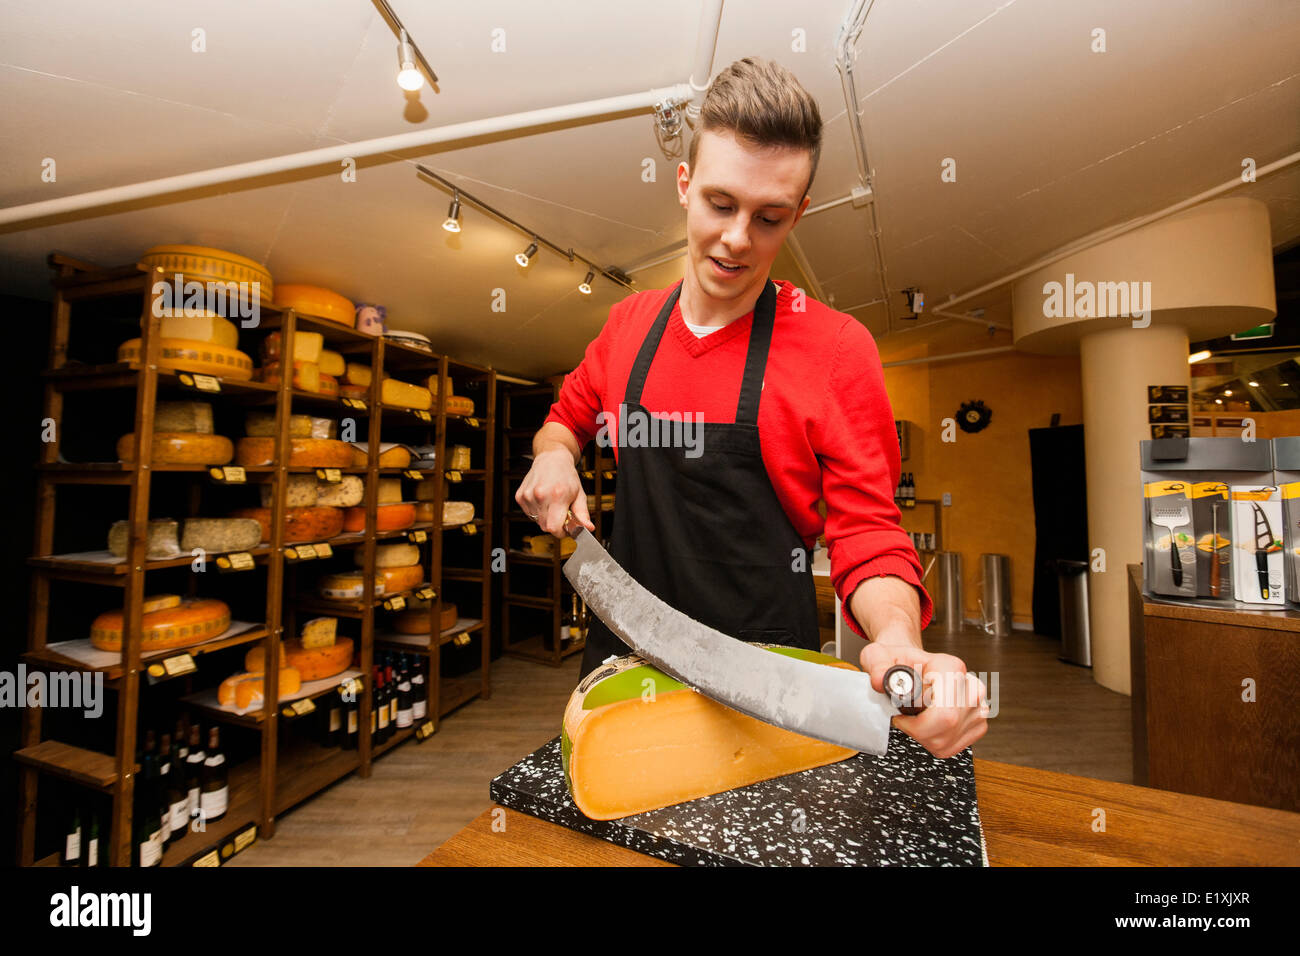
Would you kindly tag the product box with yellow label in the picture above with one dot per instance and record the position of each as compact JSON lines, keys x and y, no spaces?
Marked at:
{"x":1257,"y":544}
{"x":1286,"y":475}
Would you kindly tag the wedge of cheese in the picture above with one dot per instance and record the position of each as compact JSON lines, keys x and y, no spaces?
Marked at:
{"x":195,"y":417}
{"x":319,"y":632}
{"x":405,"y":395}
{"x":340,"y":494}
{"x":200,"y":326}
{"x":628,"y":751}
{"x":300,"y":492}
{"x":307,"y":347}
{"x":245,"y":690}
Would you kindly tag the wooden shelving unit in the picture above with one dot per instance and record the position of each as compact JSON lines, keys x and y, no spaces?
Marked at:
{"x":284,"y":770}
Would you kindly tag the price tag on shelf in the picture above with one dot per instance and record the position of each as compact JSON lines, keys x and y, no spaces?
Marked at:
{"x":301,"y":552}
{"x":229,"y":474}
{"x":329,"y":474}
{"x":589,"y":475}
{"x":422,"y":415}
{"x":356,"y":403}
{"x":395,"y":604}
{"x":453,"y":475}
{"x":304,"y":706}
{"x":208,"y":859}
{"x":461,"y":639}
{"x":170,"y":667}
{"x":425,"y":594}
{"x":424,"y":731}
{"x":472,"y":422}
{"x":609,"y":475}
{"x":413,"y":474}
{"x":323,"y":550}
{"x":245,"y":839}
{"x":202,"y":383}
{"x":470,"y":528}
{"x":235,"y":561}
{"x":417,"y":537}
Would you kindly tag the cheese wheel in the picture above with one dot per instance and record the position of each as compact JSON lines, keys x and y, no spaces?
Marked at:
{"x":345,"y":586}
{"x":194,"y":417}
{"x":204,"y":263}
{"x":625,"y":753}
{"x":307,"y":347}
{"x":395,"y":580}
{"x":200,"y":326}
{"x":161,"y":541}
{"x":354,"y":373}
{"x":423,"y":512}
{"x":187,"y":355}
{"x":318,"y":663}
{"x":387,"y":518}
{"x":329,"y":386}
{"x":255,"y":659}
{"x":262,"y":425}
{"x":459,"y":459}
{"x":544,"y":545}
{"x":300,"y":524}
{"x":246,"y":690}
{"x":416,"y":620}
{"x":460,"y":405}
{"x":457,"y":512}
{"x":354,"y":391}
{"x":303,"y":452}
{"x":431,"y":383}
{"x":390,"y":491}
{"x":331,"y":363}
{"x":306,"y":375}
{"x":220,"y":534}
{"x":300,"y":492}
{"x":313,"y":300}
{"x":340,"y":494}
{"x":405,"y":395}
{"x":396,"y":457}
{"x":401,"y":555}
{"x":319,"y":632}
{"x":181,"y":448}
{"x":179,"y":626}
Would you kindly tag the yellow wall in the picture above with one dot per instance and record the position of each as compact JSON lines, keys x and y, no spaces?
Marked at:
{"x":987,"y":473}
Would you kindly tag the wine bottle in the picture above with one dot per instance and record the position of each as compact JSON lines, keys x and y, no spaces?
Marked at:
{"x":164,"y":787}
{"x":405,"y":706}
{"x":419,"y":696}
{"x":214,"y":789}
{"x":193,"y":775}
{"x":333,"y":721}
{"x":351,"y":730}
{"x":566,"y":625}
{"x":146,"y":840}
{"x":91,"y":857}
{"x":72,"y":841}
{"x":394,"y":703}
{"x":381,"y":707}
{"x":178,"y":797}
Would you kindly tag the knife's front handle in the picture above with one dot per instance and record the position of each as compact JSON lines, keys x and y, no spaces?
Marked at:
{"x":903,"y":685}
{"x":1261,"y":567}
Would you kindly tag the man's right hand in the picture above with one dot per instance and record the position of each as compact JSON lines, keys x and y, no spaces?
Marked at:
{"x":552,"y":488}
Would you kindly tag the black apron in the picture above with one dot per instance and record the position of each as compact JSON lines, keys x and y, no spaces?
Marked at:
{"x":708,"y":534}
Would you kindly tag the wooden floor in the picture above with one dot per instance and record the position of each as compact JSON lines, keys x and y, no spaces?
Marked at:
{"x":1050,"y":715}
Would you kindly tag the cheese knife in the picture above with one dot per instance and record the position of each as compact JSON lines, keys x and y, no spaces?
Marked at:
{"x":1263,"y":541}
{"x":833,"y":704}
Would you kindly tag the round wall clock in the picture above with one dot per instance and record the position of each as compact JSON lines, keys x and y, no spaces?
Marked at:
{"x":974,"y":416}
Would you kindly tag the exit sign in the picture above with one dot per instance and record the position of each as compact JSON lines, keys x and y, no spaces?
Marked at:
{"x":1258,"y":332}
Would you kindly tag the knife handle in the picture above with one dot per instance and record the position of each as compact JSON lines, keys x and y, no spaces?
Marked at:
{"x":1261,"y":568}
{"x":903,"y":685}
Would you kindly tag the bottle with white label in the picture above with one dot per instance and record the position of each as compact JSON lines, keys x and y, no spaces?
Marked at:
{"x":405,"y":706}
{"x":214,"y":789}
{"x":419,"y":696}
{"x":72,"y":841}
{"x":146,"y":840}
{"x":193,"y":774}
{"x":91,"y":858}
{"x":178,"y":798}
{"x":165,"y":787}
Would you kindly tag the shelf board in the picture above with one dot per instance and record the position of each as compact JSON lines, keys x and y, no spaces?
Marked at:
{"x":127,"y":375}
{"x":353,"y":608}
{"x":206,"y":700}
{"x":242,"y":810}
{"x":461,"y":574}
{"x":307,"y":769}
{"x":527,"y":557}
{"x":523,"y":600}
{"x":74,"y":563}
{"x":420,"y":642}
{"x":534,"y":649}
{"x":90,"y":768}
{"x":53,"y":659}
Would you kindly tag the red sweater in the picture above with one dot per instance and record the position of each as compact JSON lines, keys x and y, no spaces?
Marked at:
{"x":826,"y":427}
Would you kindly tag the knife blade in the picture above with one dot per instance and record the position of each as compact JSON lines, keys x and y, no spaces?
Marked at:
{"x":833,"y":704}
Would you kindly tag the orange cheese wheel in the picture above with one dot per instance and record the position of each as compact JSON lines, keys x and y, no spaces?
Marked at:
{"x":303,"y":452}
{"x":313,"y":523}
{"x":395,"y":580}
{"x":191,"y":355}
{"x":424,"y":511}
{"x":245,"y":690}
{"x":181,"y":448}
{"x":255,"y":659}
{"x":395,"y":457}
{"x":313,"y":300}
{"x":317,"y":663}
{"x":416,"y":620}
{"x":387,"y":517}
{"x":180,"y":626}
{"x":459,"y":405}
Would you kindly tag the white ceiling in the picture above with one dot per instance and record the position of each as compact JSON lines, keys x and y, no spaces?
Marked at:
{"x":1052,"y":141}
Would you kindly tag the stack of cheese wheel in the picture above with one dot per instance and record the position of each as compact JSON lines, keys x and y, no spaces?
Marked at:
{"x":262,"y":425}
{"x":182,"y":436}
{"x":456,"y":404}
{"x":319,"y":653}
{"x":391,"y":455}
{"x":310,"y":361}
{"x":356,"y":384}
{"x":167,"y":622}
{"x":390,"y":517}
{"x":397,"y":569}
{"x":318,"y":302}
{"x":162,"y":541}
{"x":303,"y":452}
{"x":195,"y":341}
{"x":308,"y":523}
{"x":627,"y":754}
{"x":244,"y":691}
{"x":205,"y":264}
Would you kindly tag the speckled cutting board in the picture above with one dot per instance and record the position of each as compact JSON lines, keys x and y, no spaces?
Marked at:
{"x":906,"y":808}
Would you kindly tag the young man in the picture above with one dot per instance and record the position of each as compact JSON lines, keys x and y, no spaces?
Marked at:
{"x":792,"y":402}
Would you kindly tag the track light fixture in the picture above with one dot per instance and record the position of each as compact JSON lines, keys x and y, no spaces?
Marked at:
{"x":585,"y":286}
{"x":452,"y":222}
{"x":524,"y":257}
{"x":409,"y":78}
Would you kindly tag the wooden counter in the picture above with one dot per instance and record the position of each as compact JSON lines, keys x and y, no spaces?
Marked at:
{"x":1030,"y":818}
{"x":1192,"y":730}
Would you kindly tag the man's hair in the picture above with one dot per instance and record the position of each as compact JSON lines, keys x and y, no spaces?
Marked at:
{"x":763,"y":104}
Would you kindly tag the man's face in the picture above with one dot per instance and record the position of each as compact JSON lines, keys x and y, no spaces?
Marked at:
{"x":741,"y":202}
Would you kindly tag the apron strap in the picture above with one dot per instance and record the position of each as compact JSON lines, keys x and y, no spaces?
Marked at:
{"x":641,"y":368}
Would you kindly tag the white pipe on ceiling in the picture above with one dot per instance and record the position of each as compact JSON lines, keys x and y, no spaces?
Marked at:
{"x":950,"y":356}
{"x":680,"y":93}
{"x":706,"y":38}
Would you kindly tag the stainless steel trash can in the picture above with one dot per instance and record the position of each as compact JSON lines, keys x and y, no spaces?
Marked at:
{"x":997,"y":593}
{"x":951,"y":612}
{"x":1072,"y":587}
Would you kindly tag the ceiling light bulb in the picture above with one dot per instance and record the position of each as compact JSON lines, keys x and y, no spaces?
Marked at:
{"x":1227,"y":392}
{"x":409,"y":78}
{"x":1199,"y":356}
{"x":452,"y":222}
{"x":1253,"y":384}
{"x":585,"y":286}
{"x":523,"y":257}
{"x":1218,"y":401}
